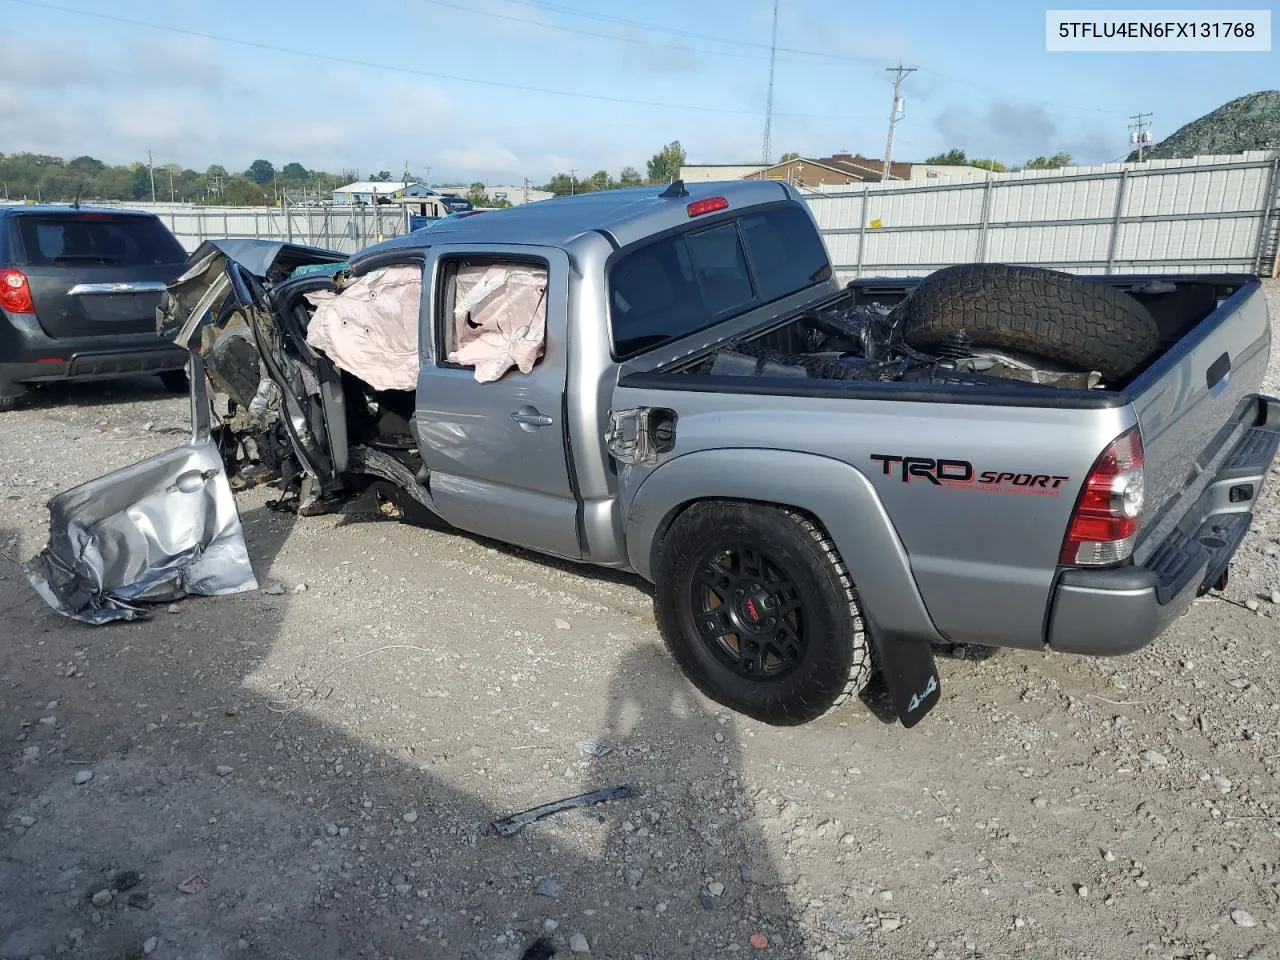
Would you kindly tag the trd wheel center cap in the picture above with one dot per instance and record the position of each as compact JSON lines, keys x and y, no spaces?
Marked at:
{"x":754,"y":611}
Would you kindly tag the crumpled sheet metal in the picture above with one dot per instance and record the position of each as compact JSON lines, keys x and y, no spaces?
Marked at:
{"x":370,"y":329}
{"x":500,"y":318}
{"x":151,"y":533}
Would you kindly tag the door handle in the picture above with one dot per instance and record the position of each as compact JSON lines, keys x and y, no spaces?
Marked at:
{"x":530,"y":417}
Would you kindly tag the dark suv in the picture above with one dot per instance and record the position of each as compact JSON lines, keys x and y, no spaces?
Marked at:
{"x":78,"y":292}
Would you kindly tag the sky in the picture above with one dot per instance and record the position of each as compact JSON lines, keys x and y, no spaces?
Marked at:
{"x":499,"y":90}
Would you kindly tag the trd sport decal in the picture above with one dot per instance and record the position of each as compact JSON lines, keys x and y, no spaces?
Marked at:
{"x":961,"y":473}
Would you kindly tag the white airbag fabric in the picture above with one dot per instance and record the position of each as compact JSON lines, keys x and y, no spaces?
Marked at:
{"x":500,"y":318}
{"x":370,"y":329}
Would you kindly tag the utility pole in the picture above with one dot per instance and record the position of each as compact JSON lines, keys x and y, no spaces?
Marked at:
{"x":895,"y":114}
{"x":152,"y":170}
{"x":526,"y":190}
{"x":768,"y":109}
{"x":171,"y":184}
{"x":573,"y":180}
{"x":1139,"y":134}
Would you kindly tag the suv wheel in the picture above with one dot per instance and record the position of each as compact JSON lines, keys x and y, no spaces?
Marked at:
{"x":757,"y":608}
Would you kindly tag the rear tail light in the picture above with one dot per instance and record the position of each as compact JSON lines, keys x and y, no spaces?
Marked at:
{"x":1104,"y":524}
{"x":709,"y":205}
{"x":15,"y":292}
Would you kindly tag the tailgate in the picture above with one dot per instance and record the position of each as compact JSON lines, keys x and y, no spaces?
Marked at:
{"x":95,"y":274}
{"x":1191,"y":406}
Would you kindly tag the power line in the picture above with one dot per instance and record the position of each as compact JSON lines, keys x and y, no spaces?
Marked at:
{"x":591,"y":33}
{"x":660,"y":28}
{"x":412,"y":71}
{"x":842,"y":59}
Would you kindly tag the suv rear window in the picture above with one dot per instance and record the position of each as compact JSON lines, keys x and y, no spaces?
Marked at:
{"x":57,"y":240}
{"x":689,"y":281}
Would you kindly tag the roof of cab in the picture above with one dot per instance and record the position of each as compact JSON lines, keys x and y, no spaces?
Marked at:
{"x":627,"y":215}
{"x":65,"y":209}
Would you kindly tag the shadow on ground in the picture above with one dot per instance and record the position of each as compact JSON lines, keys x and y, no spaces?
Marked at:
{"x":307,"y":828}
{"x":94,"y":393}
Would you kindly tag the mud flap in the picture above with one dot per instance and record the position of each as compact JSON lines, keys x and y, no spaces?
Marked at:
{"x":910,"y":675}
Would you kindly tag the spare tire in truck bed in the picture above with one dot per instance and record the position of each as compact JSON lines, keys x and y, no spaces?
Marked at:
{"x":1038,"y":313}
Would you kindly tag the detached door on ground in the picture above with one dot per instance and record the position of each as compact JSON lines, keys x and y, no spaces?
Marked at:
{"x":491,"y":395}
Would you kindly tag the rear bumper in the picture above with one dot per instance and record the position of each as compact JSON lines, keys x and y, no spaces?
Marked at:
{"x":31,"y":356}
{"x":1118,"y":611}
{"x":103,"y":365}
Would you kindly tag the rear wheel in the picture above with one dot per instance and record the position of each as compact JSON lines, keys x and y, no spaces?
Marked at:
{"x":756,"y":607}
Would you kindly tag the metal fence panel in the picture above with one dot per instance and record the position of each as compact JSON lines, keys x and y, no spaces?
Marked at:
{"x":1208,"y":214}
{"x":345,"y":229}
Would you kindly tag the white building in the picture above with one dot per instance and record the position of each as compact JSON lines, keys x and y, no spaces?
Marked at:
{"x":363,"y":191}
{"x":702,"y":172}
{"x":516,"y":195}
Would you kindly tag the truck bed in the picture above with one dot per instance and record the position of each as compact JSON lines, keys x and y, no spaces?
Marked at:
{"x":1195,"y":401}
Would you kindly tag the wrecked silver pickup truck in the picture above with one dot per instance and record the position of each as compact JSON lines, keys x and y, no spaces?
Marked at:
{"x":821,"y":481}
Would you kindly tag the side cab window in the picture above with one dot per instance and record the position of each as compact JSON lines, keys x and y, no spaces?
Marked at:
{"x":491,"y":315}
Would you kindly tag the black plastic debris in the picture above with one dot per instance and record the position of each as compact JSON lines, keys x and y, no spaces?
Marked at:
{"x":517,"y":822}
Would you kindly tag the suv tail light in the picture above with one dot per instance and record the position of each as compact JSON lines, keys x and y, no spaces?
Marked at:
{"x":1104,"y":524}
{"x":15,"y":292}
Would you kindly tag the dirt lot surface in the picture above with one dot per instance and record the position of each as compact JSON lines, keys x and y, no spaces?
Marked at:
{"x":309,"y":771}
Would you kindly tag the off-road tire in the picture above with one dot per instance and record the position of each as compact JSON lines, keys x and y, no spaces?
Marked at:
{"x":1037,"y":312}
{"x":9,"y":401}
{"x":835,"y":662}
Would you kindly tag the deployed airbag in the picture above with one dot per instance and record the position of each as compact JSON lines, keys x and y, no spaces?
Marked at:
{"x":370,"y":328}
{"x":500,"y":318}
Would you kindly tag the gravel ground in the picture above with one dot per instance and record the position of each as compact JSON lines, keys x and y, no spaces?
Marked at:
{"x":309,"y":772}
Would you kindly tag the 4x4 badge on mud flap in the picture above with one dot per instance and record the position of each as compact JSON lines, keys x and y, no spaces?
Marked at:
{"x":919,"y":698}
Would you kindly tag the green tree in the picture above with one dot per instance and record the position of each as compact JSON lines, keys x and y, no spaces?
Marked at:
{"x":629,"y":177}
{"x":86,"y":166}
{"x":477,"y":195}
{"x":561,"y":185}
{"x":995,"y":166}
{"x":382,"y":176}
{"x":1055,"y":162}
{"x":953,"y":157}
{"x":242,"y":191}
{"x":294,"y":171}
{"x":665,"y":165}
{"x":261,"y":171}
{"x":788,"y":157}
{"x":600,"y":180}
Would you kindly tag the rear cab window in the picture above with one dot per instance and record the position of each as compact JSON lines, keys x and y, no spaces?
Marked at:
{"x":50,"y":240}
{"x":691,"y":280}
